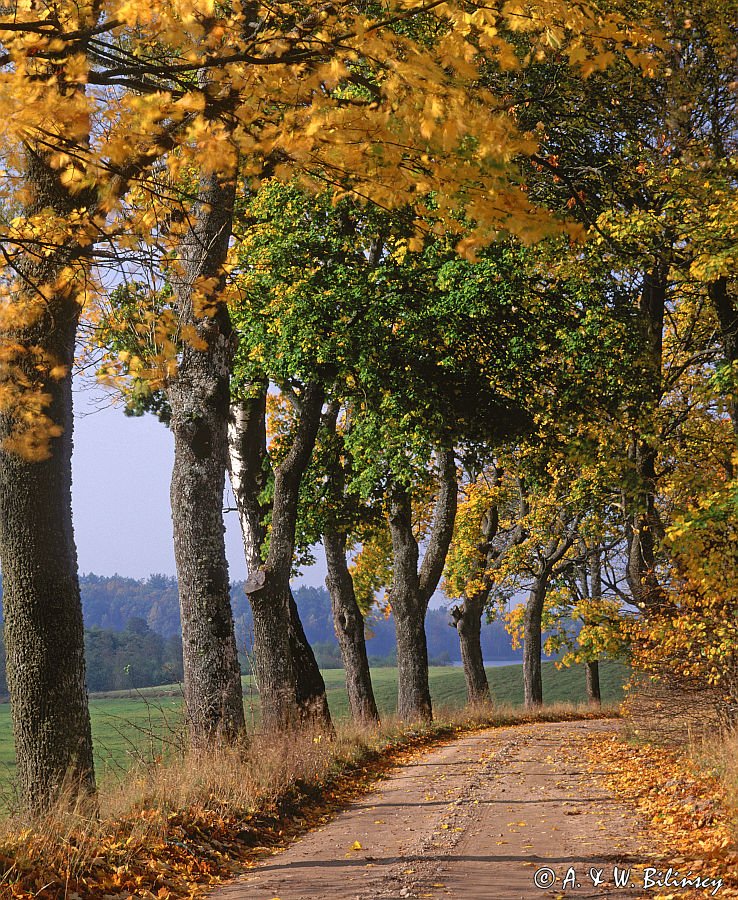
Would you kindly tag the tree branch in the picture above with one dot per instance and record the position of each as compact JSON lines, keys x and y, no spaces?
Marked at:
{"x":443,"y":526}
{"x":287,"y":478}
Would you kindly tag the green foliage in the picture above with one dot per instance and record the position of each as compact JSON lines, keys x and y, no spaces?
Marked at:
{"x":134,"y":658}
{"x":333,"y":292}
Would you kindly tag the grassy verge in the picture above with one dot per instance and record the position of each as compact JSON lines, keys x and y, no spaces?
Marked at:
{"x":133,"y":728}
{"x":177,"y":827}
{"x":677,"y":766}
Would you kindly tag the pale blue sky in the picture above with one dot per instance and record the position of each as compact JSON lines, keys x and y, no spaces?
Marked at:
{"x":120,"y":494}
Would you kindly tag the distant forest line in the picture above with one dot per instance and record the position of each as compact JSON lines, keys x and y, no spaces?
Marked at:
{"x":133,"y":632}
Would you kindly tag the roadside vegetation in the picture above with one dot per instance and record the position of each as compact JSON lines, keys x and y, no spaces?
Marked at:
{"x":134,"y":728}
{"x":177,"y":826}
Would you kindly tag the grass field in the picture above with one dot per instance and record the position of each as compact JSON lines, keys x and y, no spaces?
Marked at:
{"x":128,"y":728}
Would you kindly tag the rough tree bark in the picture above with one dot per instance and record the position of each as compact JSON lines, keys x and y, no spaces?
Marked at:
{"x":643,"y":525}
{"x":644,"y":531}
{"x":592,"y":668}
{"x":412,"y":588}
{"x":592,"y":676}
{"x":274,"y":664}
{"x":312,"y":700}
{"x":43,"y":615}
{"x":726,"y":311}
{"x":291,"y":688}
{"x":349,"y":625}
{"x":44,"y":633}
{"x":348,"y":620}
{"x":467,"y":616}
{"x":551,"y":563}
{"x":467,"y":619}
{"x":532,"y":640}
{"x":199,"y":397}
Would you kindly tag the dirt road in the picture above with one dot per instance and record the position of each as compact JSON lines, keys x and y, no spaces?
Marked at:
{"x":475,"y":819}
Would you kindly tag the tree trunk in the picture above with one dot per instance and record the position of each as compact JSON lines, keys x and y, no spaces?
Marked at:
{"x":643,"y":526}
{"x":532,"y":645}
{"x":199,"y":397}
{"x":274,"y":668}
{"x":291,"y":688}
{"x":349,"y":625}
{"x":413,"y":688}
{"x":727,"y":316}
{"x":412,"y":588}
{"x":312,"y":702}
{"x":468,"y":623}
{"x":468,"y":616}
{"x":274,"y":665}
{"x":643,"y":533}
{"x":592,"y":670}
{"x":44,"y":634}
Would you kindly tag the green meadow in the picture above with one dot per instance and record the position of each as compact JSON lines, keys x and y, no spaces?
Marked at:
{"x":128,"y":728}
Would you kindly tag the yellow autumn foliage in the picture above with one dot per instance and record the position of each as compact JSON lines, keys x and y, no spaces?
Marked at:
{"x":109,"y":105}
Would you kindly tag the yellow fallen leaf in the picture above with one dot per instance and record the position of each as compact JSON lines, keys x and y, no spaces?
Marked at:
{"x":355,"y":846}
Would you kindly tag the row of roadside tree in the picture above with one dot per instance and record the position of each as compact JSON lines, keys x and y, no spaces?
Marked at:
{"x":444,"y":287}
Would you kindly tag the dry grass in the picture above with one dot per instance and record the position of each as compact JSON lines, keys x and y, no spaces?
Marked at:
{"x":697,"y":722}
{"x":675,"y":714}
{"x":196,"y":819}
{"x":716,"y":755}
